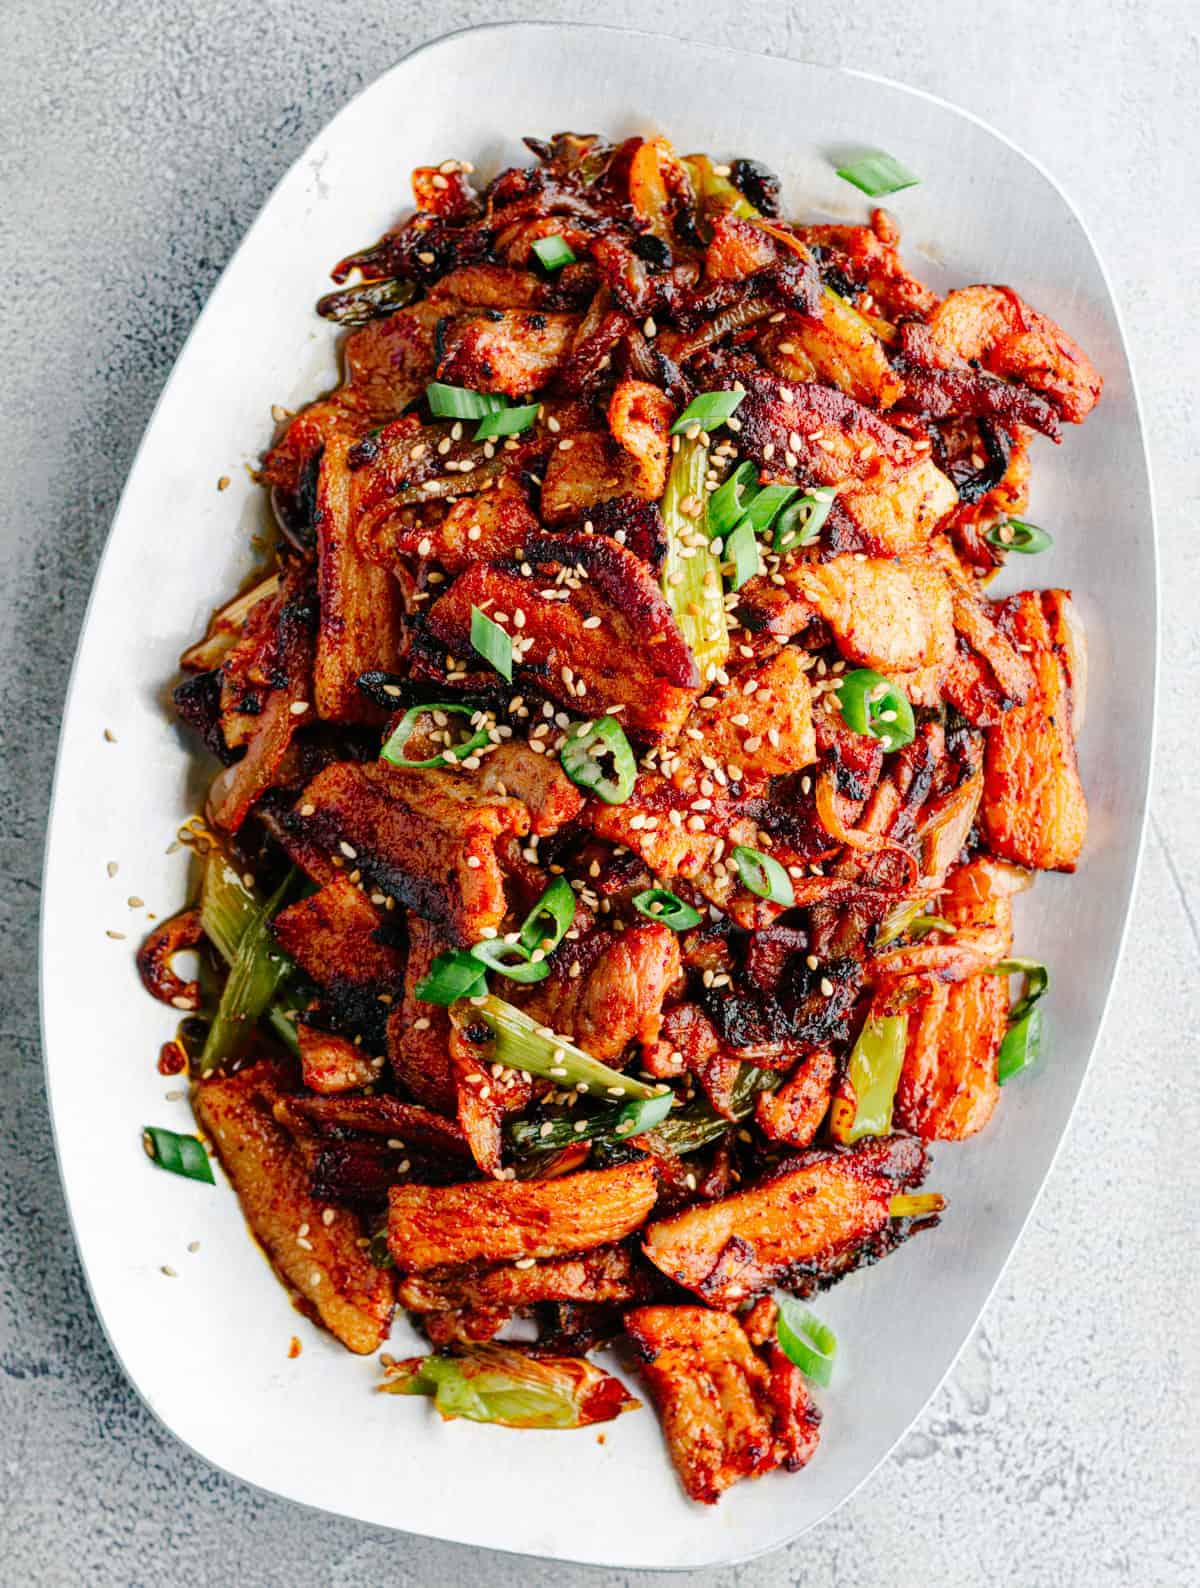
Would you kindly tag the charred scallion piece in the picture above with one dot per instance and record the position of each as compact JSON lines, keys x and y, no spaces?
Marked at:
{"x":497,"y":1384}
{"x":230,"y":910}
{"x":370,"y":301}
{"x":256,"y":971}
{"x":1023,"y":1040}
{"x":873,"y":1073}
{"x":692,"y":584}
{"x":519,"y":1043}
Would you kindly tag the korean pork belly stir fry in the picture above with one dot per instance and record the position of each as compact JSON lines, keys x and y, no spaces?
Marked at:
{"x":625,"y":779}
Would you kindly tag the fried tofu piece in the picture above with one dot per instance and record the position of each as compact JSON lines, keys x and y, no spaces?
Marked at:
{"x":479,"y":528}
{"x":996,"y":328}
{"x":794,"y":1112}
{"x":640,"y":417}
{"x":798,"y":1224}
{"x":426,"y":838}
{"x":633,"y":657}
{"x":773,"y":732}
{"x":1034,"y":811}
{"x":501,"y":1220}
{"x":352,"y":1298}
{"x":360,"y":623}
{"x":604,"y":1275}
{"x":418,"y":1033}
{"x":336,"y":935}
{"x":513,"y":351}
{"x":617,"y":994}
{"x":722,"y":1415}
{"x":885,"y":613}
{"x":333,"y":1064}
{"x":949,"y":1085}
{"x":538,"y":781}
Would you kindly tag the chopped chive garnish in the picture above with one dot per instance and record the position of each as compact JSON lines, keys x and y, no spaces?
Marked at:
{"x":659,"y":904}
{"x":553,"y":252}
{"x":800,"y":523}
{"x":452,"y":976}
{"x":507,"y":421}
{"x":876,"y":173}
{"x":710,"y":409}
{"x":393,"y":750}
{"x":1023,"y":1040}
{"x":581,"y":760}
{"x":805,"y":1340}
{"x":548,"y":922}
{"x":763,"y":875}
{"x":874,"y":705}
{"x":513,"y":960}
{"x":178,"y":1154}
{"x":727,"y":504}
{"x":492,"y":642}
{"x":765,"y":504}
{"x":460,"y":402}
{"x":1016,"y":535}
{"x":742,"y":548}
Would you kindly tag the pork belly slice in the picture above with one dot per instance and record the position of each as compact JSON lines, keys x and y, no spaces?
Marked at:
{"x":538,"y":781}
{"x":633,"y":660}
{"x":994,"y":327}
{"x":763,"y":723}
{"x":616,"y":995}
{"x":482,"y":1100}
{"x":390,"y":361}
{"x":986,"y":676}
{"x":869,"y":256}
{"x":1034,"y":811}
{"x":640,"y":418}
{"x":350,"y":1296}
{"x":418,"y":1033}
{"x":501,"y":1220}
{"x":814,"y":1218}
{"x":514,"y":351}
{"x":839,"y":349}
{"x":356,"y":1147}
{"x":480,"y":528}
{"x":949,"y":1086}
{"x":894,"y":615}
{"x":794,"y":1112}
{"x":726,"y":1414}
{"x":604,"y":1275}
{"x":336,"y":935}
{"x":426,"y":838}
{"x":361,"y":610}
{"x":332,"y":1064}
{"x":977,"y":901}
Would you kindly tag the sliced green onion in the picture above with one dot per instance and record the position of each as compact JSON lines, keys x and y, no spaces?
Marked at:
{"x":554,"y":252}
{"x":255,"y":974}
{"x":499,"y":1384}
{"x":659,"y":904}
{"x":519,"y":1043}
{"x":393,"y":750}
{"x":1016,"y":535}
{"x":710,"y":409}
{"x":642,"y":1114}
{"x":876,"y":173}
{"x":228,"y":909}
{"x":800,"y":523}
{"x":874,"y":705}
{"x":492,"y":642}
{"x":691,"y":583}
{"x":177,"y":1154}
{"x":873,"y":1072}
{"x":1023,"y":1040}
{"x":508,"y":421}
{"x":554,"y":910}
{"x":460,"y":402}
{"x":727,"y":504}
{"x":764,"y":505}
{"x":742,"y":548}
{"x":513,"y":960}
{"x":581,"y":760}
{"x":916,"y":1205}
{"x":805,"y":1340}
{"x":763,"y":875}
{"x":452,"y":976}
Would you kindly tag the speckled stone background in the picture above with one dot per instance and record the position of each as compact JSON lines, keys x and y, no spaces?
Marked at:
{"x":137,"y":141}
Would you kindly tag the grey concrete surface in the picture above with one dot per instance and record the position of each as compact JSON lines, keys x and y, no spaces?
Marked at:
{"x":137,"y":141}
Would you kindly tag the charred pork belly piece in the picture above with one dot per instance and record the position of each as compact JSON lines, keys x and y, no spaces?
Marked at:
{"x":606,"y":989}
{"x":332,"y":1064}
{"x":977,"y":902}
{"x":866,"y":259}
{"x":793,"y":1113}
{"x":336,"y":936}
{"x":948,"y":1086}
{"x":591,"y":627}
{"x":482,"y":1100}
{"x":726,"y":1414}
{"x":813,"y":1218}
{"x":513,"y":351}
{"x":502,"y":1220}
{"x":835,"y":346}
{"x":480,"y":528}
{"x":538,"y":781}
{"x":987,"y":676}
{"x":763,"y":724}
{"x":1034,"y":811}
{"x":337,"y":1281}
{"x":604,"y":1274}
{"x":426,"y":838}
{"x":356,"y":1147}
{"x":956,"y":393}
{"x":360,"y":624}
{"x":418,"y":1033}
